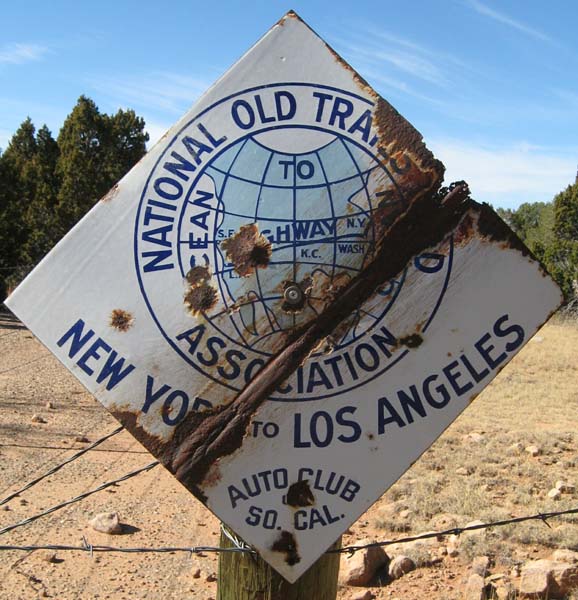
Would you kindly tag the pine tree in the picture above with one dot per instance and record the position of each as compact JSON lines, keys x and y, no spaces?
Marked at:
{"x":561,"y":257}
{"x":96,"y":150}
{"x":125,"y":143}
{"x":17,"y":186}
{"x":80,"y":165}
{"x":47,"y":185}
{"x":566,"y":213}
{"x":41,"y":217}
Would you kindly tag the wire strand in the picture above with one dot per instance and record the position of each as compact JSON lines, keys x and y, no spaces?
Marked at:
{"x":239,"y":547}
{"x":26,"y":363}
{"x":59,"y":466}
{"x":87,"y":547}
{"x":78,"y":498}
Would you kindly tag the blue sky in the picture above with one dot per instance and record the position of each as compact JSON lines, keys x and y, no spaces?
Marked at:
{"x":491,"y":85}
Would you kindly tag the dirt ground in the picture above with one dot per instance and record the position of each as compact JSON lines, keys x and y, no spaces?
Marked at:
{"x":463,"y":477}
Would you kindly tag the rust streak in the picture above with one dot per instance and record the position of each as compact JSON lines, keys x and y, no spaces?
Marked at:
{"x":202,"y":439}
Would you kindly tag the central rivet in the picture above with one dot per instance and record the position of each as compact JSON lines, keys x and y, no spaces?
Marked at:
{"x":293,"y":294}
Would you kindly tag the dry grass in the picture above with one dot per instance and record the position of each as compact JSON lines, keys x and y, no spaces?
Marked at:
{"x":534,"y":401}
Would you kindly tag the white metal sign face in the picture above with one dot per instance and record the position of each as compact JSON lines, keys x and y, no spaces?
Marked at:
{"x":304,"y":192}
{"x":274,"y":303}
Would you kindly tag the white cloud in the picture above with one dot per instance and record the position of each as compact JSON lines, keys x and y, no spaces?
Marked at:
{"x":486,"y":11}
{"x":507,"y":175}
{"x":170,"y":92}
{"x":410,"y":63}
{"x":16,"y":54}
{"x":379,"y":50}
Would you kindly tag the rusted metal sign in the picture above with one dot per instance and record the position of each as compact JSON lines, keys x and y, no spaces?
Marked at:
{"x":279,"y":305}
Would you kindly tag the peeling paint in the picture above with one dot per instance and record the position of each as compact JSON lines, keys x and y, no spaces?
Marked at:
{"x":198,"y":275}
{"x":247,"y":250}
{"x":121,"y":320}
{"x":399,"y":141}
{"x":287,"y":545}
{"x":415,"y":340}
{"x":200,"y":297}
{"x":299,"y":494}
{"x":111,"y":194}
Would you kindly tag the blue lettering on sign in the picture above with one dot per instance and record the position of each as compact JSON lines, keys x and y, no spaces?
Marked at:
{"x":340,"y":114}
{"x":456,"y":378}
{"x":175,"y":405}
{"x":313,"y":517}
{"x":247,"y":113}
{"x":169,"y":190}
{"x":300,"y":231}
{"x":336,"y":487}
{"x":326,"y":373}
{"x":351,"y":248}
{"x":100,"y":360}
{"x":257,"y":484}
{"x":112,"y":370}
{"x":320,"y":430}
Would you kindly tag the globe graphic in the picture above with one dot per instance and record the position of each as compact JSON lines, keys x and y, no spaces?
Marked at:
{"x":314,"y":209}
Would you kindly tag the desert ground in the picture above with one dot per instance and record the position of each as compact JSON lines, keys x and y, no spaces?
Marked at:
{"x":482,"y":468}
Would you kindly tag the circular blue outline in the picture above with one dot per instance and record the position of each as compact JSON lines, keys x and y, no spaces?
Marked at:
{"x":240,"y":140}
{"x":140,"y":205}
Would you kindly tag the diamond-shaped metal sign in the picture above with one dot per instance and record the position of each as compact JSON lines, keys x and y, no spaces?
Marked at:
{"x":279,"y":306}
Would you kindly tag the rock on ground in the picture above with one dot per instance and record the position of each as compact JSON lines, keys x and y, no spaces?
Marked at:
{"x":360,"y":568}
{"x":565,"y":487}
{"x":548,"y":579}
{"x":106,"y":523}
{"x":564,"y":555}
{"x":400,"y":565}
{"x":475,"y":588}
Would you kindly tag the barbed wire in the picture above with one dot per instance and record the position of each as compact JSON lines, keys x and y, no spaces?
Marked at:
{"x":59,"y":466}
{"x":45,"y":447}
{"x":88,"y":547}
{"x":240,"y":546}
{"x":542,"y":516}
{"x":45,"y":355}
{"x":78,"y":498}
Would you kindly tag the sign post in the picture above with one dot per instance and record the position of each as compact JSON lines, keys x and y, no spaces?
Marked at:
{"x":244,"y":577}
{"x":281,"y":305}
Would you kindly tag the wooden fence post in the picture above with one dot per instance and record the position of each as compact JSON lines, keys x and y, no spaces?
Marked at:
{"x":243,"y":576}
